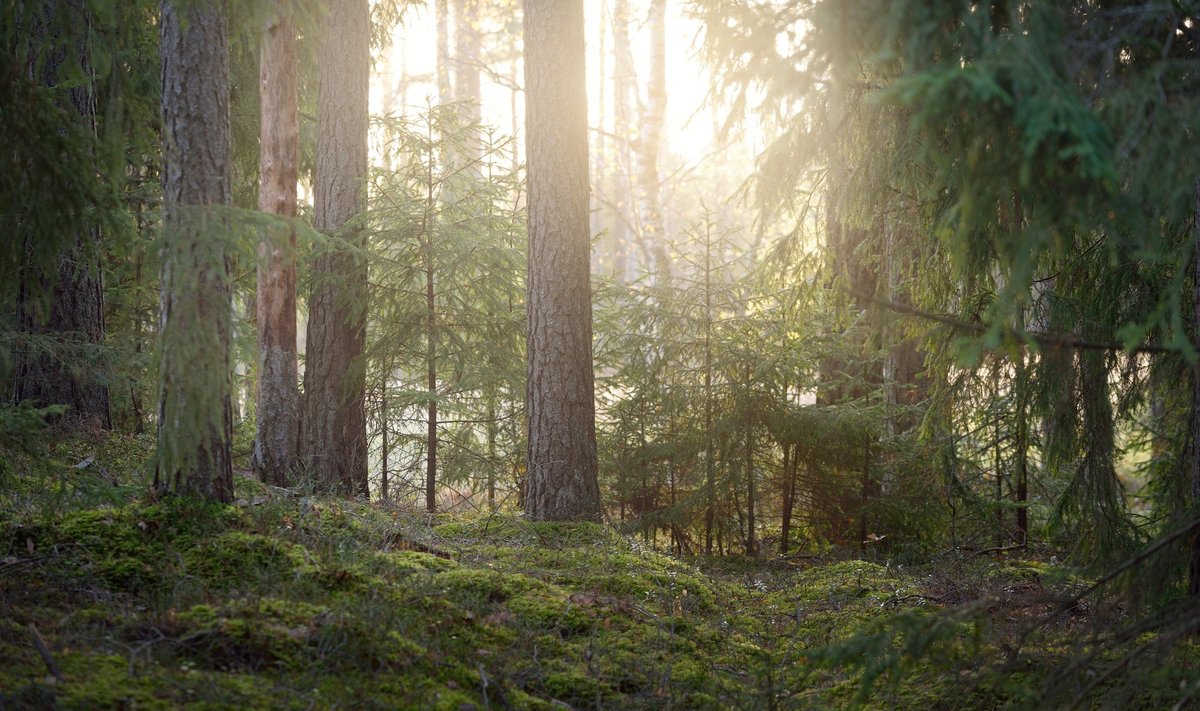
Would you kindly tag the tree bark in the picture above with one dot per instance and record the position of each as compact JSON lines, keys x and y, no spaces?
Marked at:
{"x":334,"y":437}
{"x":1194,"y":563}
{"x":653,"y":235}
{"x":277,"y":408}
{"x":561,"y":459}
{"x":66,"y":305}
{"x":195,"y":410}
{"x":624,"y":84}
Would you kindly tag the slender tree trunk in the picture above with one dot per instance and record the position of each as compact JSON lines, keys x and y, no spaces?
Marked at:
{"x":624,"y":84}
{"x":491,"y":449}
{"x":334,"y":436}
{"x":445,"y":91}
{"x":1194,"y":565}
{"x":383,"y":434}
{"x":1021,"y":455}
{"x":864,"y":494}
{"x":709,"y":464}
{"x":751,"y":534}
{"x":561,"y":461}
{"x":431,"y":438}
{"x":195,"y":411}
{"x":787,"y":492}
{"x":466,"y":58}
{"x":654,"y":235}
{"x":998,"y":461}
{"x":277,"y":409}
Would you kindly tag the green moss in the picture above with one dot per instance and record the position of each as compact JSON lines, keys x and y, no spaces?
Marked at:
{"x":575,"y":688}
{"x":237,"y":559}
{"x":475,"y":586}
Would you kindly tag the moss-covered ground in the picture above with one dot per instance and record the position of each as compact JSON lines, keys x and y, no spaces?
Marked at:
{"x":291,"y":601}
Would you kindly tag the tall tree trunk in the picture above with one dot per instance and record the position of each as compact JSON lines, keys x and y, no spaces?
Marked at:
{"x":751,"y":533}
{"x":624,"y":99}
{"x":1194,"y":565}
{"x":383,"y":435}
{"x":654,"y":237}
{"x":445,"y":91}
{"x":709,"y":474}
{"x":334,"y":436}
{"x":561,"y":459}
{"x":466,"y":58}
{"x":787,"y":494}
{"x":195,"y":411}
{"x":431,"y":377}
{"x":277,"y":407}
{"x":67,"y":304}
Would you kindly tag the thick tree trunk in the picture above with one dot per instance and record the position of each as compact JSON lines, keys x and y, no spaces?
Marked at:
{"x":277,"y":408}
{"x":334,"y":437}
{"x":561,"y":459}
{"x":194,"y":414}
{"x":66,"y":375}
{"x":66,"y":305}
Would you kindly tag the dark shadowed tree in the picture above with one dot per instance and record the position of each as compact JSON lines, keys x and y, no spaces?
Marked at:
{"x":275,"y":439}
{"x":334,"y":435}
{"x":60,"y":312}
{"x":561,"y":460}
{"x":194,"y":413}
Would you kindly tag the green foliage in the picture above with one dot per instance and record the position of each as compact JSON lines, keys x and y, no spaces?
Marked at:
{"x":447,"y":249}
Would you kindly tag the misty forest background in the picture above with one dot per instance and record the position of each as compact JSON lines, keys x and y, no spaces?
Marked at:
{"x":761,"y":286}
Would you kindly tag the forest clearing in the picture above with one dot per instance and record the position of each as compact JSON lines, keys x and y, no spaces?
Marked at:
{"x":535,"y":354}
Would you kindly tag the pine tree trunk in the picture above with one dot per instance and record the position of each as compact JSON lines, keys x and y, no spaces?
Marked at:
{"x":442,"y":12}
{"x":788,"y":494}
{"x":1194,"y":565}
{"x":431,"y":354}
{"x":73,"y":313}
{"x":333,"y":435}
{"x":561,"y":460}
{"x":466,"y":58}
{"x":624,"y":82}
{"x":75,"y":320}
{"x":654,"y":235}
{"x":277,"y":407}
{"x":195,"y":410}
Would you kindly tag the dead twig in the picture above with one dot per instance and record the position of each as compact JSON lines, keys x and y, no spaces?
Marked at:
{"x":43,"y":650}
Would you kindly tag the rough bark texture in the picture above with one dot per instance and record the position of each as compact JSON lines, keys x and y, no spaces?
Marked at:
{"x":194,"y":415}
{"x":74,"y":319}
{"x":334,"y":437}
{"x":561,"y":459}
{"x":73,"y":315}
{"x":278,"y":413}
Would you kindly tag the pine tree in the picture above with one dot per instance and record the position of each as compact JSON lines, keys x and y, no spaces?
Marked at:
{"x":333,"y":434}
{"x":194,"y":414}
{"x":278,"y":398}
{"x":561,"y":461}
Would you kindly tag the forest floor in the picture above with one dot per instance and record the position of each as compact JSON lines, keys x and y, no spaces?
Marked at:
{"x":111,"y":600}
